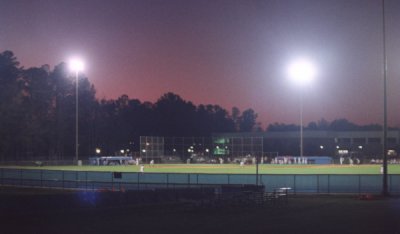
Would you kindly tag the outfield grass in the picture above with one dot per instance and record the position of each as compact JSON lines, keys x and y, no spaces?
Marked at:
{"x":230,"y":169}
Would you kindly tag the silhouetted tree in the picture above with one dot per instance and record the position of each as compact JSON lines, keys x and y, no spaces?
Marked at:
{"x":323,"y":124}
{"x":64,"y":109}
{"x":247,"y":121}
{"x":343,"y":125}
{"x":11,"y":112}
{"x":281,"y":127}
{"x":235,"y":114}
{"x":39,"y":112}
{"x":176,"y":117}
{"x":86,"y":112}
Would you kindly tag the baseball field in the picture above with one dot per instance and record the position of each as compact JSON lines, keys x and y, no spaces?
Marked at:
{"x":230,"y":168}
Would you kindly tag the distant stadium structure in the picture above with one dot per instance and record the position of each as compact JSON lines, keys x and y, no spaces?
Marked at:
{"x":319,"y":146}
{"x":329,"y":143}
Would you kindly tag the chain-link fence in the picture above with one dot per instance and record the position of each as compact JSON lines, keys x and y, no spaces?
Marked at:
{"x":89,"y":180}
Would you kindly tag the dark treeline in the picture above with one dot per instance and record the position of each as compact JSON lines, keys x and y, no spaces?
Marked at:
{"x":37,"y":116}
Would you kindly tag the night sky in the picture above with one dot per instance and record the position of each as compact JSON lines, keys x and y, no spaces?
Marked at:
{"x":225,"y":52}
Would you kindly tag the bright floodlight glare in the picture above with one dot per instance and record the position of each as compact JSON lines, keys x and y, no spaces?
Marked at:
{"x":76,"y":65}
{"x":302,"y":71}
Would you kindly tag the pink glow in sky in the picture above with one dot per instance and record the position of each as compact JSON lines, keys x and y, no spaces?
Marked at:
{"x":230,"y":53}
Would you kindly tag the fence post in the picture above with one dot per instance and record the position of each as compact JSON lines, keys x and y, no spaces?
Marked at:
{"x":197,"y":178}
{"x":20,"y":176}
{"x":112,"y":181}
{"x":295,"y":186}
{"x":329,"y":184}
{"x":41,"y":178}
{"x":167,"y":180}
{"x":229,"y":179}
{"x":63,"y":180}
{"x":138,"y":180}
{"x":76,"y":179}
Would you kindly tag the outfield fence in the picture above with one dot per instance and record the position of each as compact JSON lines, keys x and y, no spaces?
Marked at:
{"x":121,"y":181}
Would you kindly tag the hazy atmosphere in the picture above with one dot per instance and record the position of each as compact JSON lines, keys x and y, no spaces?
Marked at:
{"x":230,"y":53}
{"x":200,"y":116}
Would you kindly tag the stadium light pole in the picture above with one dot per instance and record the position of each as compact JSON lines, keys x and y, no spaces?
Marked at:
{"x":76,"y":65}
{"x":301,"y":72}
{"x":385,"y":191}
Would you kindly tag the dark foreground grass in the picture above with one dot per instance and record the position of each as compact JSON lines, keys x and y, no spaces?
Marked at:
{"x":303,"y":214}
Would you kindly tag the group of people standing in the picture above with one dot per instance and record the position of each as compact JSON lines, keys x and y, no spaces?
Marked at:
{"x":141,"y":166}
{"x":351,"y":160}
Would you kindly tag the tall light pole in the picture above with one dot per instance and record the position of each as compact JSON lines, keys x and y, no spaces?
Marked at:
{"x":385,"y":191}
{"x":76,"y":65}
{"x":302,"y":72}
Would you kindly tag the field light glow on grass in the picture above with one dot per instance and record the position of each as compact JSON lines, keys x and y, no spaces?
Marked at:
{"x":368,"y":169}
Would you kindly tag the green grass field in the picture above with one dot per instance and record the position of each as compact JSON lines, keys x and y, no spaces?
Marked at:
{"x":230,"y":169}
